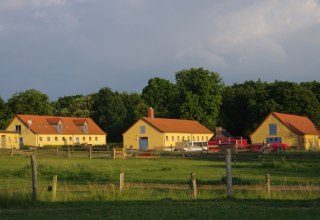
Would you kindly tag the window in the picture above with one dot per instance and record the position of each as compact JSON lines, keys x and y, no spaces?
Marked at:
{"x":84,"y":138}
{"x":40,"y":138}
{"x":70,"y":138}
{"x":48,"y":138}
{"x":85,"y":128}
{"x":172,"y":138}
{"x":90,"y":138}
{"x":182,"y":138}
{"x":167,"y":138}
{"x":197,"y":138}
{"x":178,"y":138}
{"x":96,"y":138}
{"x":272,"y":129}
{"x":56,"y":138}
{"x":142,"y":129}
{"x":59,"y":128}
{"x":18,"y":129}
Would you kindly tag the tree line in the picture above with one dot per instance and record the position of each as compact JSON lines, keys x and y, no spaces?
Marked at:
{"x":198,"y":94}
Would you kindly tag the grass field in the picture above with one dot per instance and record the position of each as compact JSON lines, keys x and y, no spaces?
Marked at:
{"x":291,"y":168}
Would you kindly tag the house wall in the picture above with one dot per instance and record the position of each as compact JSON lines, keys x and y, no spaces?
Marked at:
{"x":9,"y":140}
{"x":61,"y":139}
{"x":262,"y":133}
{"x":310,"y":142}
{"x":40,"y":140}
{"x":156,"y":138}
{"x":179,"y":139}
{"x":303,"y":142}
{"x":133,"y":134}
{"x":27,"y":137}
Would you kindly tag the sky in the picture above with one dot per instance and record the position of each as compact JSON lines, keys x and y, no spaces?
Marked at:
{"x":70,"y":47}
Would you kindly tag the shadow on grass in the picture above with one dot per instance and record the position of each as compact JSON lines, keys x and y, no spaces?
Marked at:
{"x":167,"y":209}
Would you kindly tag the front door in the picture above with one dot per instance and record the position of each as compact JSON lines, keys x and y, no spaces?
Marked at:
{"x":143,"y":143}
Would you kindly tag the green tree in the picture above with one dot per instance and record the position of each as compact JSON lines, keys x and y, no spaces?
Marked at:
{"x":74,"y":106}
{"x":314,"y":87}
{"x":4,"y":114}
{"x":136,"y":108}
{"x":246,"y":105}
{"x":159,"y":94}
{"x":243,"y":107}
{"x":31,"y":102}
{"x":199,"y":95}
{"x":295,"y":99}
{"x":109,"y":111}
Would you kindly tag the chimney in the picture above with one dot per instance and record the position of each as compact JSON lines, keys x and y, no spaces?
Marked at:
{"x":150,"y":113}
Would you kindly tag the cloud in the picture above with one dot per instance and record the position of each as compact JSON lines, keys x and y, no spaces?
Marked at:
{"x":104,"y":43}
{"x":11,"y":4}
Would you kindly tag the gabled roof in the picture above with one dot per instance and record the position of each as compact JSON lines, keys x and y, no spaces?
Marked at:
{"x":166,"y":125}
{"x":222,"y":133}
{"x":298,"y":124}
{"x":70,"y":125}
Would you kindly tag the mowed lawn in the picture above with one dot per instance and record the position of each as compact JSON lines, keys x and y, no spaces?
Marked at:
{"x":292,"y":168}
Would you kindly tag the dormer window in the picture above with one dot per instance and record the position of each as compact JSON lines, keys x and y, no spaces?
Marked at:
{"x":82,"y":125}
{"x":56,"y":124}
{"x":59,"y":127}
{"x":85,"y":128}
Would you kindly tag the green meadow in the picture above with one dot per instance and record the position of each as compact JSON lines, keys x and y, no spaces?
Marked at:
{"x":88,"y":188}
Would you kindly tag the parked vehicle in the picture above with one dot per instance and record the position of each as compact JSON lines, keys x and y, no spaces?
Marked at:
{"x":193,"y":146}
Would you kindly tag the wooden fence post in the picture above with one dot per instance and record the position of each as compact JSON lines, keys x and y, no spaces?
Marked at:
{"x":114,"y":153}
{"x":54,"y":187}
{"x":90,"y":152}
{"x":194,"y":185}
{"x":11,"y":151}
{"x":121,"y":182}
{"x":124,"y":153}
{"x":228,"y":173}
{"x":34,"y":177}
{"x":68,"y":151}
{"x":34,"y":151}
{"x":268,"y":184}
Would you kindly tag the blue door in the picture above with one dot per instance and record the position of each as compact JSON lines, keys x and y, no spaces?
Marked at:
{"x":143,"y":143}
{"x":21,"y":141}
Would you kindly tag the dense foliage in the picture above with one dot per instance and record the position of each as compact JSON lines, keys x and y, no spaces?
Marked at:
{"x":198,"y":94}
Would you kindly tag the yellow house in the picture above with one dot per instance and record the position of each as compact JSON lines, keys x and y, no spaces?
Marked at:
{"x":39,"y":131}
{"x":149,"y":132}
{"x":9,"y":139}
{"x":294,"y":130}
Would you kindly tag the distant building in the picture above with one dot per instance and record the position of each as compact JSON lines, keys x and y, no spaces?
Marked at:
{"x":149,"y":132}
{"x":9,"y":139}
{"x":294,"y":130}
{"x":39,"y":131}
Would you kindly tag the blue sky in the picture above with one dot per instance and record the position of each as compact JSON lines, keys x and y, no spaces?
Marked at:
{"x":69,"y":47}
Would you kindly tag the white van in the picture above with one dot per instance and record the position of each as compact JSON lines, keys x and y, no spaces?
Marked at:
{"x":194,"y":146}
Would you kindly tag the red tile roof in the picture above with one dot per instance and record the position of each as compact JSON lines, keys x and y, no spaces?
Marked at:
{"x":298,"y":124}
{"x":70,"y":125}
{"x":177,"y":125}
